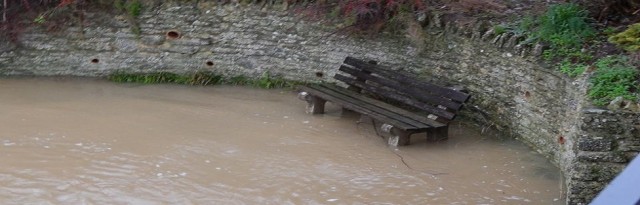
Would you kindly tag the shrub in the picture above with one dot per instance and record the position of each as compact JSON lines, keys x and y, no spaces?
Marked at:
{"x":629,"y":39}
{"x":564,"y":27}
{"x":614,"y":76}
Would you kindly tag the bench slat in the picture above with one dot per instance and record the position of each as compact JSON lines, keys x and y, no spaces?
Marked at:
{"x":404,"y":89}
{"x":417,"y":104}
{"x":436,"y":90}
{"x":375,"y":105}
{"x":383,"y":105}
{"x":357,"y":108}
{"x":361,"y":108}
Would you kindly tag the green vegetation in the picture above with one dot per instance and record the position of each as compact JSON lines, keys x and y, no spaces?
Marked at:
{"x":202,"y":78}
{"x":609,"y":31}
{"x":564,"y":27}
{"x":524,"y":26}
{"x":629,"y":39}
{"x":40,"y":19}
{"x":198,"y":78}
{"x":132,"y":7}
{"x":614,"y":76}
{"x":119,"y":4}
{"x":572,"y":69}
{"x":264,"y":81}
{"x":239,"y":80}
{"x":500,"y":29}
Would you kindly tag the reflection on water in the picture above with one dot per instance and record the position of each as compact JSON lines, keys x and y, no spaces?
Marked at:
{"x":73,"y":141}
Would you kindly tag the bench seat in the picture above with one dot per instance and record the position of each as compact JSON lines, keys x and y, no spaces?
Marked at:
{"x":369,"y":84}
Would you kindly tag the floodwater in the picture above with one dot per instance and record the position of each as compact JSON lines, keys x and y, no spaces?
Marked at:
{"x":83,"y":141}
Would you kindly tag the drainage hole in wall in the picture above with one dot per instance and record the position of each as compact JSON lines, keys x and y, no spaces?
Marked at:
{"x":209,"y":63}
{"x":173,"y":34}
{"x":319,"y":74}
{"x":95,"y":60}
{"x":527,"y":94}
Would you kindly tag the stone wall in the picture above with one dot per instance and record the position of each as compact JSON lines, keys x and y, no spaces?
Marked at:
{"x":229,"y":39}
{"x":511,"y":90}
{"x":607,"y":142}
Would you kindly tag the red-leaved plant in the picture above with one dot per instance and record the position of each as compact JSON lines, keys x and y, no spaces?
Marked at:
{"x":15,"y":14}
{"x":374,"y":14}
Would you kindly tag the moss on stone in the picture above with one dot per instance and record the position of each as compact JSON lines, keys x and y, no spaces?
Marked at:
{"x":629,"y":39}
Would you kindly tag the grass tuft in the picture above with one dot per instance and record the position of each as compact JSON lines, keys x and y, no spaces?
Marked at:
{"x":202,"y":78}
{"x":197,"y":78}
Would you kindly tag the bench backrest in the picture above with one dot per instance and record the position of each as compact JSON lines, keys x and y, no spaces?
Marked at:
{"x":440,"y":102}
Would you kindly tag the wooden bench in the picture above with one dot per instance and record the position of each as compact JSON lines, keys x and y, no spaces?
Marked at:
{"x":416,"y":106}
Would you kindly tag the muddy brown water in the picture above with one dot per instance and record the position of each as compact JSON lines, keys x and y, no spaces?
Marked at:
{"x":83,"y":141}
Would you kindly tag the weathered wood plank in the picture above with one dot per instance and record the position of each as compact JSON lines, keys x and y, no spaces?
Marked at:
{"x":383,"y":105}
{"x":404,"y":89}
{"x":416,"y":104}
{"x":373,"y":105}
{"x":316,"y":105}
{"x":399,"y":138}
{"x":356,"y":88}
{"x":363,"y":110}
{"x":438,"y":134}
{"x":436,"y":90}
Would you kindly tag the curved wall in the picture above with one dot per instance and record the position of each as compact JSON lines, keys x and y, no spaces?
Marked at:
{"x":511,"y":90}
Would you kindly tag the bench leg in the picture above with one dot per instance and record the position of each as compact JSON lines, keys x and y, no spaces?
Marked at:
{"x":315,"y":105}
{"x":399,"y":137}
{"x":345,"y":110}
{"x":438,"y":134}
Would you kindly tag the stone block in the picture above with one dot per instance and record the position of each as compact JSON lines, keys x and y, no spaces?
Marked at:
{"x":629,"y":145}
{"x":152,"y":40}
{"x":599,"y":144}
{"x":617,"y":157}
{"x":593,"y":111}
{"x":581,"y":192}
{"x":538,"y":49}
{"x":596,"y":172}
